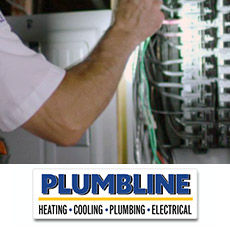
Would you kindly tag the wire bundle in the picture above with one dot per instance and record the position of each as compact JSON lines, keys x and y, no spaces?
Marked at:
{"x":146,"y":104}
{"x":157,"y":93}
{"x":146,"y":126}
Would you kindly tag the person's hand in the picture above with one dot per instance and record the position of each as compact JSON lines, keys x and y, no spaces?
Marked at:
{"x":139,"y":18}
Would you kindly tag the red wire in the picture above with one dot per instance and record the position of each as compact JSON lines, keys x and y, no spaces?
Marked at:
{"x":161,"y":158}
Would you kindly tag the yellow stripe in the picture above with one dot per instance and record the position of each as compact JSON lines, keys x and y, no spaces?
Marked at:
{"x":115,"y":199}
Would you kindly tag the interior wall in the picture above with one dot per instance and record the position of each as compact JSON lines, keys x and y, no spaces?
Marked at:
{"x":53,"y":6}
{"x":49,"y":6}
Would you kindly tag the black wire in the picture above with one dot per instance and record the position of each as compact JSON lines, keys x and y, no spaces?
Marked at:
{"x":181,"y":134}
{"x":155,"y":70}
{"x":166,"y":112}
{"x":165,"y":153}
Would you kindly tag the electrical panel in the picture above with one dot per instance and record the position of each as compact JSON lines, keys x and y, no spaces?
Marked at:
{"x":182,"y":82}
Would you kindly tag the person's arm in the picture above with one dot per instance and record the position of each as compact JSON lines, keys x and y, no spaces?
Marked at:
{"x":88,"y":87}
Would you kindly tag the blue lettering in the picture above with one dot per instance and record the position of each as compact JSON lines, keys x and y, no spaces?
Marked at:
{"x":151,"y":184}
{"x":181,"y":184}
{"x":104,"y":184}
{"x":137,"y":185}
{"x":76,"y":184}
{"x":161,"y":182}
{"x":124,"y":184}
{"x":49,"y":181}
{"x":62,"y":185}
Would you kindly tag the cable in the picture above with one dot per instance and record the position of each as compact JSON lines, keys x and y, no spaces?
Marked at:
{"x":172,"y":22}
{"x":169,"y":85}
{"x":16,"y":5}
{"x":162,"y":136}
{"x":170,"y":10}
{"x":166,"y":112}
{"x":170,"y":34}
{"x":161,"y":158}
{"x":163,"y":84}
{"x":173,"y":74}
{"x":191,"y":1}
{"x":181,"y":134}
{"x":176,"y":46}
{"x":147,"y":112}
{"x":173,"y":96}
{"x":173,"y":62}
{"x":153,"y":60}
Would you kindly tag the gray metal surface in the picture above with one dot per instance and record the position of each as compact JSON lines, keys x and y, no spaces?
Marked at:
{"x":214,"y":156}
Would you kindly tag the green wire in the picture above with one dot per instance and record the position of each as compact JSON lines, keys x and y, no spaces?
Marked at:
{"x":147,"y":109}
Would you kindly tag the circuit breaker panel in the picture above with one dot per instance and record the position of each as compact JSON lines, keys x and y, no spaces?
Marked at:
{"x":182,"y":83}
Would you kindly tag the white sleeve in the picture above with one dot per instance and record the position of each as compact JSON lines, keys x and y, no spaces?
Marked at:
{"x":27,"y":80}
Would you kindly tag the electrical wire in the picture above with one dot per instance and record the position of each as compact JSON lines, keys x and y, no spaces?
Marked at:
{"x":182,"y":134}
{"x":166,"y":85}
{"x":16,"y":5}
{"x":173,"y":96}
{"x":147,"y":112}
{"x":164,"y":112}
{"x":191,"y":1}
{"x":171,"y":34}
{"x":165,"y":96}
{"x":173,"y":62}
{"x":172,"y":22}
{"x":173,"y":74}
{"x":170,"y":10}
{"x":162,"y":160}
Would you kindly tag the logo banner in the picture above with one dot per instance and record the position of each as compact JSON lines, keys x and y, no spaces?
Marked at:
{"x":115,"y":193}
